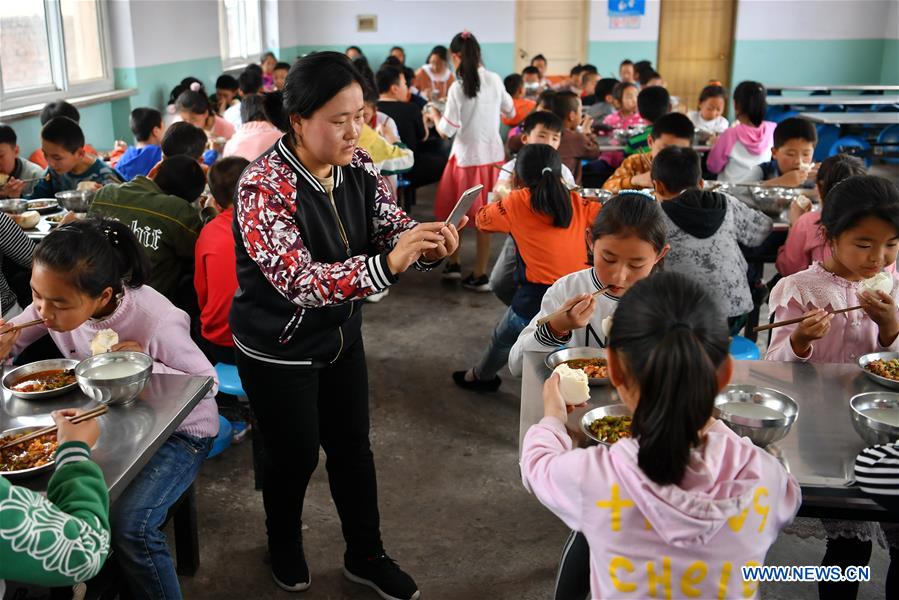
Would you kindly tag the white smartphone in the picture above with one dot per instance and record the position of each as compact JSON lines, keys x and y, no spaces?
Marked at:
{"x":464,"y":204}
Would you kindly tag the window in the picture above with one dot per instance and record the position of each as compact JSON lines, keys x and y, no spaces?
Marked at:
{"x":52,"y":49}
{"x":240,"y":32}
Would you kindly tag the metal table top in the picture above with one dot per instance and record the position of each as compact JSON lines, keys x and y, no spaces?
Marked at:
{"x":852,"y":118}
{"x":129,"y":435}
{"x":856,"y":100}
{"x":842,"y":88}
{"x":820,"y":449}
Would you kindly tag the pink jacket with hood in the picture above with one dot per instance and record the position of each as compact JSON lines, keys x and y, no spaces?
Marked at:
{"x":648,"y":540}
{"x":739,"y":150}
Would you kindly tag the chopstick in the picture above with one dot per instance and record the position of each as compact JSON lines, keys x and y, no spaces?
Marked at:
{"x":797,"y":320}
{"x":22,"y":326}
{"x":504,"y":170}
{"x":91,"y":414}
{"x":544,"y":320}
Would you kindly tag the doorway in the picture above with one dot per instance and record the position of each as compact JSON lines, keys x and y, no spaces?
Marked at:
{"x":557,"y":29}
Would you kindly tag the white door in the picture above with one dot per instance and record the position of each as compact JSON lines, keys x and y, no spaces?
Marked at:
{"x":557,"y":29}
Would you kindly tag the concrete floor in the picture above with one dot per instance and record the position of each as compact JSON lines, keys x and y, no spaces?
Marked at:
{"x":454,"y":512}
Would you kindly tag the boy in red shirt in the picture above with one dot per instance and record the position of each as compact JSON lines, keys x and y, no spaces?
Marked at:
{"x":215,"y":272}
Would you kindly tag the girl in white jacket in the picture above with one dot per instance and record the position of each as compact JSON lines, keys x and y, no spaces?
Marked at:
{"x":628,"y":242}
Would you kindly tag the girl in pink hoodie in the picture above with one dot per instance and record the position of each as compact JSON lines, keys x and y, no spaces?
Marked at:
{"x":748,"y":143}
{"x":682,"y":505}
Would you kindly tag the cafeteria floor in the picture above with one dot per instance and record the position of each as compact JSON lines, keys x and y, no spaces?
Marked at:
{"x":454,"y":512}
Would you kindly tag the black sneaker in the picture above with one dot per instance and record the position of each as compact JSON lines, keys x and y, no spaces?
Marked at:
{"x":452,"y":272}
{"x":478,"y":385}
{"x":289,"y":568}
{"x":476,"y":284}
{"x":383,"y":575}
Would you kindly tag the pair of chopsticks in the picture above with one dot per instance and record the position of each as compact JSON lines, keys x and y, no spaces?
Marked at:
{"x":798,"y":320}
{"x":91,"y":414}
{"x":22,"y":326}
{"x":544,"y":320}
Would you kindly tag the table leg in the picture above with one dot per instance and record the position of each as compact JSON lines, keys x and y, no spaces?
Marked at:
{"x":187,"y":539}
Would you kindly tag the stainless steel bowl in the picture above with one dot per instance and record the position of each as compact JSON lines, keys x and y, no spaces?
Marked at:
{"x":762,"y":430}
{"x":596,"y":193}
{"x":871,"y":430}
{"x":14,"y":207}
{"x":33,"y":471}
{"x":865,"y":360}
{"x":612,"y":410}
{"x":118,"y":390}
{"x":17,"y":375}
{"x":565,"y":354}
{"x":773,"y":201}
{"x":76,"y":200}
{"x":44,"y":206}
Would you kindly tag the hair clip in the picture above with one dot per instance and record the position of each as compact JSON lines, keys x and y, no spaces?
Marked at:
{"x":465,"y":34}
{"x":546,"y":170}
{"x":112,"y":235}
{"x":196,"y":86}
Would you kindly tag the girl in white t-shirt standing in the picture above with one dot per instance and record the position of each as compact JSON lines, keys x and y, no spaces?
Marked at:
{"x":473,"y":106}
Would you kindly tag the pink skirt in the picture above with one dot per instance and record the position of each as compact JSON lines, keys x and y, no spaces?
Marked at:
{"x":456,"y":180}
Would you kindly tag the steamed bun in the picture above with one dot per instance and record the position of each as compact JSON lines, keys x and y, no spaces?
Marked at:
{"x":574,"y":385}
{"x":882,"y":282}
{"x":104,"y":341}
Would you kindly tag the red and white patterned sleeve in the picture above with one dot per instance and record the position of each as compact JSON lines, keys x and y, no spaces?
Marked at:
{"x":265,"y":208}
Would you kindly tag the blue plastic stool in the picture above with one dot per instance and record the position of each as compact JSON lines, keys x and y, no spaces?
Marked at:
{"x":890,"y":135}
{"x":744,"y":349}
{"x":229,"y":380}
{"x":223,"y":439}
{"x":777,"y":118}
{"x":849,"y":142}
{"x":827,"y":137}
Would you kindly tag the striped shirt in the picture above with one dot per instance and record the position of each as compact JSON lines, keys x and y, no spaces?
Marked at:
{"x":877,"y":470}
{"x":16,"y":246}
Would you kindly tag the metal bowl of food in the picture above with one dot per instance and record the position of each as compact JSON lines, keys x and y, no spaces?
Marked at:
{"x":42,"y":379}
{"x":607,"y":424}
{"x":763,"y":415}
{"x":76,"y":200}
{"x":31,"y":458}
{"x":15,"y":206}
{"x":114,"y":377}
{"x":875,"y":416}
{"x":585,"y":358}
{"x":773,"y":201}
{"x":44,"y":206}
{"x":882,"y":367}
{"x":596,"y":194}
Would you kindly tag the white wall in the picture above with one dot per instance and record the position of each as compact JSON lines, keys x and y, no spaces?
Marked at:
{"x":600,"y":30}
{"x":816,"y":19}
{"x":169,"y":32}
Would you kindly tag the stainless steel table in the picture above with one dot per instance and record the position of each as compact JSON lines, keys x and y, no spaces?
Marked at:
{"x":827,"y":88}
{"x":855,"y":100}
{"x":852,"y":118}
{"x":129,"y":435}
{"x":40,"y":230}
{"x":819,"y":451}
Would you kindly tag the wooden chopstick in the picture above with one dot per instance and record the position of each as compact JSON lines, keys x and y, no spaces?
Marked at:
{"x":504,"y":170}
{"x":544,"y":320}
{"x":91,"y":414}
{"x":22,"y":326}
{"x":798,"y":320}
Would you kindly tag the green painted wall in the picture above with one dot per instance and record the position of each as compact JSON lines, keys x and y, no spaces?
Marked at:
{"x":608,"y":55}
{"x":889,"y":73}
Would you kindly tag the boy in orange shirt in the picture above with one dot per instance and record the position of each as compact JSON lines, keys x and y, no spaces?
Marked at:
{"x":523,"y":107}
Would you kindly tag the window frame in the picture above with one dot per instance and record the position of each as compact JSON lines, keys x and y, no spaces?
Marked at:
{"x":229,"y":63}
{"x":61,"y":88}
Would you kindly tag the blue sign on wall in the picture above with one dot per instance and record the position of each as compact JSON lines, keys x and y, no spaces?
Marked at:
{"x":627,"y":8}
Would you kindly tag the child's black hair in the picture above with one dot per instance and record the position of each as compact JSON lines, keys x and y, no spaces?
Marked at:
{"x":565,"y":103}
{"x":252,"y":108}
{"x":226,"y":82}
{"x":401,"y":49}
{"x":671,"y":338}
{"x":441,"y":52}
{"x":530,"y":71}
{"x":605,"y":87}
{"x":620,"y":87}
{"x":538,"y":57}
{"x":195,"y":103}
{"x":182,"y":87}
{"x":795,"y":128}
{"x":281,"y":66}
{"x":356,"y":48}
{"x":545,"y":99}
{"x":588,"y":68}
{"x":61,"y":108}
{"x":361,"y":65}
{"x":576,"y":70}
{"x":541,"y":117}
{"x":250,"y":82}
{"x":513,"y":83}
{"x":183,"y":138}
{"x":95,"y":254}
{"x":835,"y":169}
{"x":750,"y":100}
{"x":676,"y":124}
{"x":539,"y":168}
{"x":253,"y":67}
{"x":648,"y":75}
{"x":653,"y":102}
{"x":143,"y":121}
{"x":64,"y":132}
{"x":8,"y":135}
{"x":387,"y":77}
{"x":632,"y":214}
{"x":625,"y":62}
{"x":223,"y":178}
{"x":467,"y":47}
{"x":856,"y":198}
{"x":266,"y":55}
{"x":311,"y":82}
{"x":677,"y":168}
{"x":182,"y":176}
{"x":712,"y":91}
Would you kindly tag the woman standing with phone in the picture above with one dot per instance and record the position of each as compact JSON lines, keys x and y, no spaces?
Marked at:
{"x":317,"y":230}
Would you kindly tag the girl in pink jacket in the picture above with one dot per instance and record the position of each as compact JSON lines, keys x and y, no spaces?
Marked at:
{"x":682,"y":505}
{"x":740,"y":149}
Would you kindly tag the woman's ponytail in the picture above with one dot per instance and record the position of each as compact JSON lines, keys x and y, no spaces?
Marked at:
{"x":672,"y":339}
{"x":467,"y":47}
